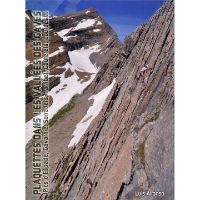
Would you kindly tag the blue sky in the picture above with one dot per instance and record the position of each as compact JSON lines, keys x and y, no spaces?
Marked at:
{"x":123,"y":15}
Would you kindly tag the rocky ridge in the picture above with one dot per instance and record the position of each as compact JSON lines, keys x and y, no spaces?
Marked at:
{"x":128,"y":148}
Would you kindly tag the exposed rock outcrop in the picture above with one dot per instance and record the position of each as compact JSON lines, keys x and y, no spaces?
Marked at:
{"x":128,"y":148}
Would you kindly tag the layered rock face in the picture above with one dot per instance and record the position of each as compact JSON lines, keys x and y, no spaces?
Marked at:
{"x":127,"y":151}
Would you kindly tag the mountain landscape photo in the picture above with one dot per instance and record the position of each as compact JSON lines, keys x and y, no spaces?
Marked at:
{"x":110,"y":102}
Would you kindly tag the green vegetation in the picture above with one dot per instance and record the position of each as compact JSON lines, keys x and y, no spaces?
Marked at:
{"x":140,"y":153}
{"x":28,"y":92}
{"x":85,"y":90}
{"x":28,"y":95}
{"x":137,"y":129}
{"x":56,"y":194}
{"x":62,"y":112}
{"x":154,"y":118}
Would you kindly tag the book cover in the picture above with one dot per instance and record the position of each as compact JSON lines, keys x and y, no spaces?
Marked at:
{"x":99,"y":100}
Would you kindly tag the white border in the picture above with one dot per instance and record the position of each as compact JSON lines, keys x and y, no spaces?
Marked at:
{"x":187,"y":100}
{"x":187,"y":89}
{"x":12,"y":101}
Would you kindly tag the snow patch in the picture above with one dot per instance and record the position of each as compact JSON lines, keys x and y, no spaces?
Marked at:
{"x":61,"y":49}
{"x":53,"y":16}
{"x":28,"y":63}
{"x":108,"y":39}
{"x":92,"y":113}
{"x":85,"y":23}
{"x":30,"y":78}
{"x":71,"y":36}
{"x":64,"y":32}
{"x":40,"y":26}
{"x":80,"y":59}
{"x":87,"y":12}
{"x":97,"y":30}
{"x":27,"y":17}
{"x":99,"y":23}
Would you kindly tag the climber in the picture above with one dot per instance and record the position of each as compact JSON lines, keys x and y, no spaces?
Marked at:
{"x":89,"y":182}
{"x":142,"y":72}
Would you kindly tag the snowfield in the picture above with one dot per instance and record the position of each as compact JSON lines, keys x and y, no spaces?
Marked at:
{"x":68,"y":87}
{"x":80,"y":59}
{"x":93,"y":111}
{"x":85,"y":23}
